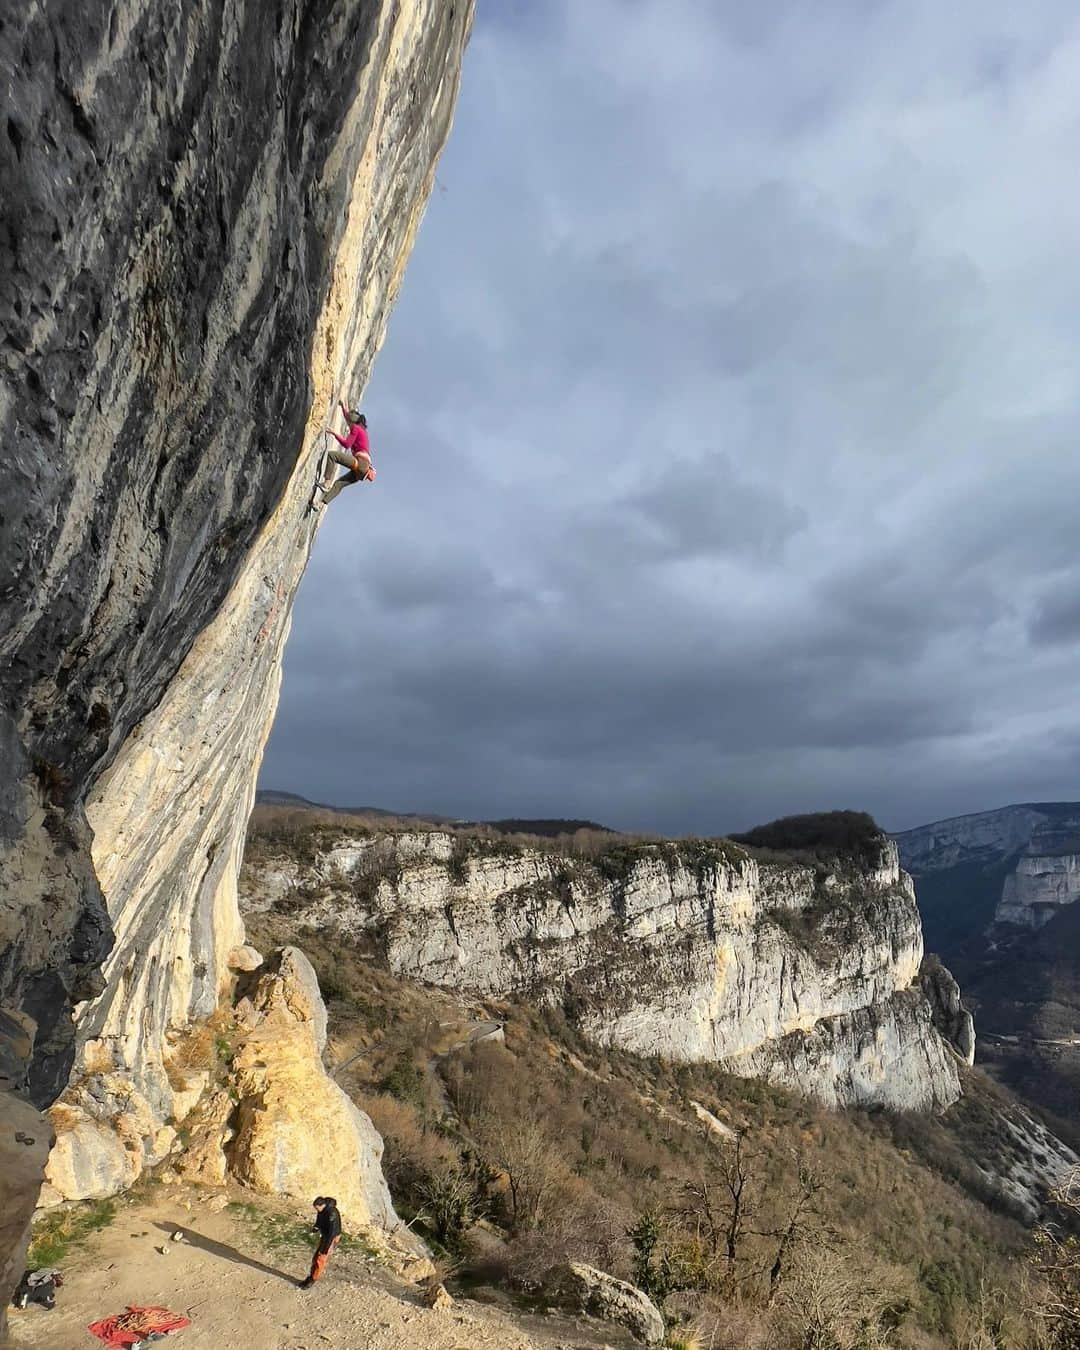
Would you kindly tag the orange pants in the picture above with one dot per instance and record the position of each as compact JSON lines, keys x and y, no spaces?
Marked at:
{"x":319,"y":1260}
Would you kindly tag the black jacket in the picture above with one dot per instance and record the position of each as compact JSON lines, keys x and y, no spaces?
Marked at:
{"x":328,"y":1222}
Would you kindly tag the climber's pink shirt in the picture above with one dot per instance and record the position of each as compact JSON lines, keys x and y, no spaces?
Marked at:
{"x":355,"y":440}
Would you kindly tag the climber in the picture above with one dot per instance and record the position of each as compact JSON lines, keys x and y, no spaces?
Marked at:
{"x":328,"y":1223}
{"x":354,"y":455}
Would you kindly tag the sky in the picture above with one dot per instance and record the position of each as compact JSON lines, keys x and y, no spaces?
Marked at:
{"x":726,"y":429}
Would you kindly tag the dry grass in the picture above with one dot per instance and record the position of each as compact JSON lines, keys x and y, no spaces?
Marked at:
{"x":302,"y":834}
{"x":693,"y":1336}
{"x":203,"y":1046}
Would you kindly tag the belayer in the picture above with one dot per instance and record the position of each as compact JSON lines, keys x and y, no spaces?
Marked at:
{"x":328,"y":1224}
{"x":354,"y":455}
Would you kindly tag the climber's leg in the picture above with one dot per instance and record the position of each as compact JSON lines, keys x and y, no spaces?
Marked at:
{"x":332,"y":491}
{"x":319,"y":1260}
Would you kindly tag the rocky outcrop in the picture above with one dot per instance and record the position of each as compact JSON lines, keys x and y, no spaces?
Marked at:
{"x":205,"y":217}
{"x":24,"y":1146}
{"x":584,"y":1289}
{"x":296,"y":1133}
{"x":264,"y":1113}
{"x":806,"y":976}
{"x":1024,"y":1160}
{"x":949,"y":1015}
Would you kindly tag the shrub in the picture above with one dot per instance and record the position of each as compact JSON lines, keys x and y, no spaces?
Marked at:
{"x":332,"y":985}
{"x":1057,"y":1260}
{"x":405,"y":1079}
{"x":579,"y":1226}
{"x":836,"y":1299}
{"x":452,"y":1199}
{"x":429,"y":1179}
{"x":664,"y":1262}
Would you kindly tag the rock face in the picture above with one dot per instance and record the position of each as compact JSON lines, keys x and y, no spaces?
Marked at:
{"x":587,"y":1290}
{"x":998,"y":895}
{"x":205,"y":217}
{"x":950,"y":1016}
{"x":1036,"y":847}
{"x":1046,"y":876}
{"x":296,"y":1132}
{"x":691,"y":951}
{"x":24,"y":1146}
{"x":981,"y":837}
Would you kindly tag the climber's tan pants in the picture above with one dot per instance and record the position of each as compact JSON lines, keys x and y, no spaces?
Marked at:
{"x":357,"y":465}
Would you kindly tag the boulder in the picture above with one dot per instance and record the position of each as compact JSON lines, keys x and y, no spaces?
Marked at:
{"x":244,"y":959}
{"x":291,"y":986}
{"x":437,"y":1296}
{"x":584,"y":1289}
{"x":209,"y":1130}
{"x":89,"y":1160}
{"x":187,"y":1096}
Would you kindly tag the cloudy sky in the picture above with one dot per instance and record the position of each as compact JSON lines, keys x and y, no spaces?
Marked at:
{"x":726,"y":429}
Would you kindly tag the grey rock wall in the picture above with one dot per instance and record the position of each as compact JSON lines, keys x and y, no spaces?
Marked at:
{"x":950,"y":1016}
{"x":205,"y":214}
{"x":1046,"y":876}
{"x":984,"y":836}
{"x":1039,"y":841}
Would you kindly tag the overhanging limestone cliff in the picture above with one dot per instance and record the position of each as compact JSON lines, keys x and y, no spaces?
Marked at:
{"x":206,"y":213}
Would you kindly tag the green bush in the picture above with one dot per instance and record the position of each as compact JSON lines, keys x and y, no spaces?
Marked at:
{"x":59,"y":1230}
{"x":405,"y":1081}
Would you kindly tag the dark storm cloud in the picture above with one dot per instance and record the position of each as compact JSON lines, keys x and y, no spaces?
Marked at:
{"x":726,"y":430}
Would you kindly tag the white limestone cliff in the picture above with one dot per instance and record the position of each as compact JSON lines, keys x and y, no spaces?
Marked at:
{"x":1045,"y":879}
{"x":1042,"y":839}
{"x":984,"y":836}
{"x":688,"y":950}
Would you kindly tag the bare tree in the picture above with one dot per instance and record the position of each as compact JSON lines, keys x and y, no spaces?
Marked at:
{"x":734,"y":1178}
{"x":1057,"y":1260}
{"x":717,"y":1208}
{"x":533,"y":1166}
{"x":837,"y":1299}
{"x":800,"y":1220}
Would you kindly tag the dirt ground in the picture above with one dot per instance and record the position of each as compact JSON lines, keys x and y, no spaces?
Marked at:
{"x":238,"y":1294}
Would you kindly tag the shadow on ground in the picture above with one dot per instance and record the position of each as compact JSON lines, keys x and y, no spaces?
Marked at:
{"x":223,"y":1251}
